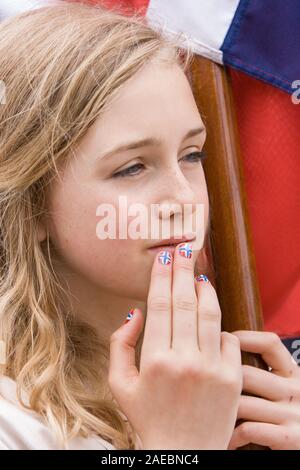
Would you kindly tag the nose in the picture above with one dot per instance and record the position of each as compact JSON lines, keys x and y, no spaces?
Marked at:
{"x":175,"y":193}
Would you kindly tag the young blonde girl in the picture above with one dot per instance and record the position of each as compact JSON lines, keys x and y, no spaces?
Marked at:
{"x":79,"y":81}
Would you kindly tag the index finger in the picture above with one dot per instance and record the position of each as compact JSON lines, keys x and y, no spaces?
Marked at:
{"x":271,"y":348}
{"x":157,"y":333}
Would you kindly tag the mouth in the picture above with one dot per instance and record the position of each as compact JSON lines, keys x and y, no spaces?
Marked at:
{"x":169,"y":246}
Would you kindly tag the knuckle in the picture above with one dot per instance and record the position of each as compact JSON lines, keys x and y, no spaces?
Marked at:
{"x":273,"y":339}
{"x":247,"y":371}
{"x":161,"y":273}
{"x":214,"y":372}
{"x":211,"y":314}
{"x":244,"y":430}
{"x":114,"y":337}
{"x":230,"y":337}
{"x":185,"y":266}
{"x":159,"y":304}
{"x":210,"y":372}
{"x":185,"y":304}
{"x":188,"y":370}
{"x":177,"y":370}
{"x":112,"y":381}
{"x":292,"y":389}
{"x":158,"y":365}
{"x":232,"y":380}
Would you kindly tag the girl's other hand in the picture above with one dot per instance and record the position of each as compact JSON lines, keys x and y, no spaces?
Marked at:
{"x":186,"y":393}
{"x":272,"y":414}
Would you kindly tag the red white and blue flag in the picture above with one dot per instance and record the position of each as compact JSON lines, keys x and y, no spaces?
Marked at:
{"x":259,"y":37}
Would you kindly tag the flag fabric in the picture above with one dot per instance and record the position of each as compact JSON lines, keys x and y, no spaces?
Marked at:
{"x":258,"y":41}
{"x":269,"y":135}
{"x":258,"y":37}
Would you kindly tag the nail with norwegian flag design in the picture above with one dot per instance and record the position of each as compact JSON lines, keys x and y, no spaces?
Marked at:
{"x":164,"y":257}
{"x":129,"y":315}
{"x":185,"y":250}
{"x":201,"y":278}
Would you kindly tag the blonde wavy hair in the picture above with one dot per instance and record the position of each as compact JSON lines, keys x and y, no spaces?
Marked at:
{"x":61,"y":65}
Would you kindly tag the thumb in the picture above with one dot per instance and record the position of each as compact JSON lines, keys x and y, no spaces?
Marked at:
{"x":122,"y":366}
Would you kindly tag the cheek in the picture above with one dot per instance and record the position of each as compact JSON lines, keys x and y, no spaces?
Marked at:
{"x":111,"y":264}
{"x":200,"y":190}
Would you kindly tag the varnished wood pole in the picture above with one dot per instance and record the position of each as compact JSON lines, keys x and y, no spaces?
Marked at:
{"x":230,"y":244}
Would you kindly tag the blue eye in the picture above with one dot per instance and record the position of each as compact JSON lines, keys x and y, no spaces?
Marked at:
{"x":128,"y":171}
{"x":194,"y":157}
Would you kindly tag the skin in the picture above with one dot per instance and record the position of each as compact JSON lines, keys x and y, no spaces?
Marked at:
{"x":108,"y":277}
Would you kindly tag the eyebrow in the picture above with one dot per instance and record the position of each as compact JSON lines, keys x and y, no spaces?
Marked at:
{"x":145,"y":142}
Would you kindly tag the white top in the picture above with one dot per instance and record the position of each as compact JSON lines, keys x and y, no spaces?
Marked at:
{"x":22,"y":429}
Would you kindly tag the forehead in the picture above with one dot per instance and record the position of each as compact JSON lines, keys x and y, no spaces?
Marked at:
{"x":157,"y":97}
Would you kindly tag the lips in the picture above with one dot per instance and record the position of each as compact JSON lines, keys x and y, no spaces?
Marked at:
{"x":171,"y":243}
{"x":167,"y":244}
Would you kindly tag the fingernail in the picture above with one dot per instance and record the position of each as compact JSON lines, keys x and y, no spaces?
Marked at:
{"x":129,"y":316}
{"x":164,"y":257}
{"x":185,"y":250}
{"x":201,"y":277}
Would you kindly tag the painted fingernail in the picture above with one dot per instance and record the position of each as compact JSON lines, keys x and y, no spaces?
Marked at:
{"x":164,"y":257}
{"x":201,"y":278}
{"x":129,"y":316}
{"x":185,"y":250}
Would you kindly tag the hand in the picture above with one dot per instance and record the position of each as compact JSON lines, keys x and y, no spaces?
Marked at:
{"x":186,"y":394}
{"x":272,"y":416}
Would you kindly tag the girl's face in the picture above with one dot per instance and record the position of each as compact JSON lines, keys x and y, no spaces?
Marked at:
{"x":156,"y":103}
